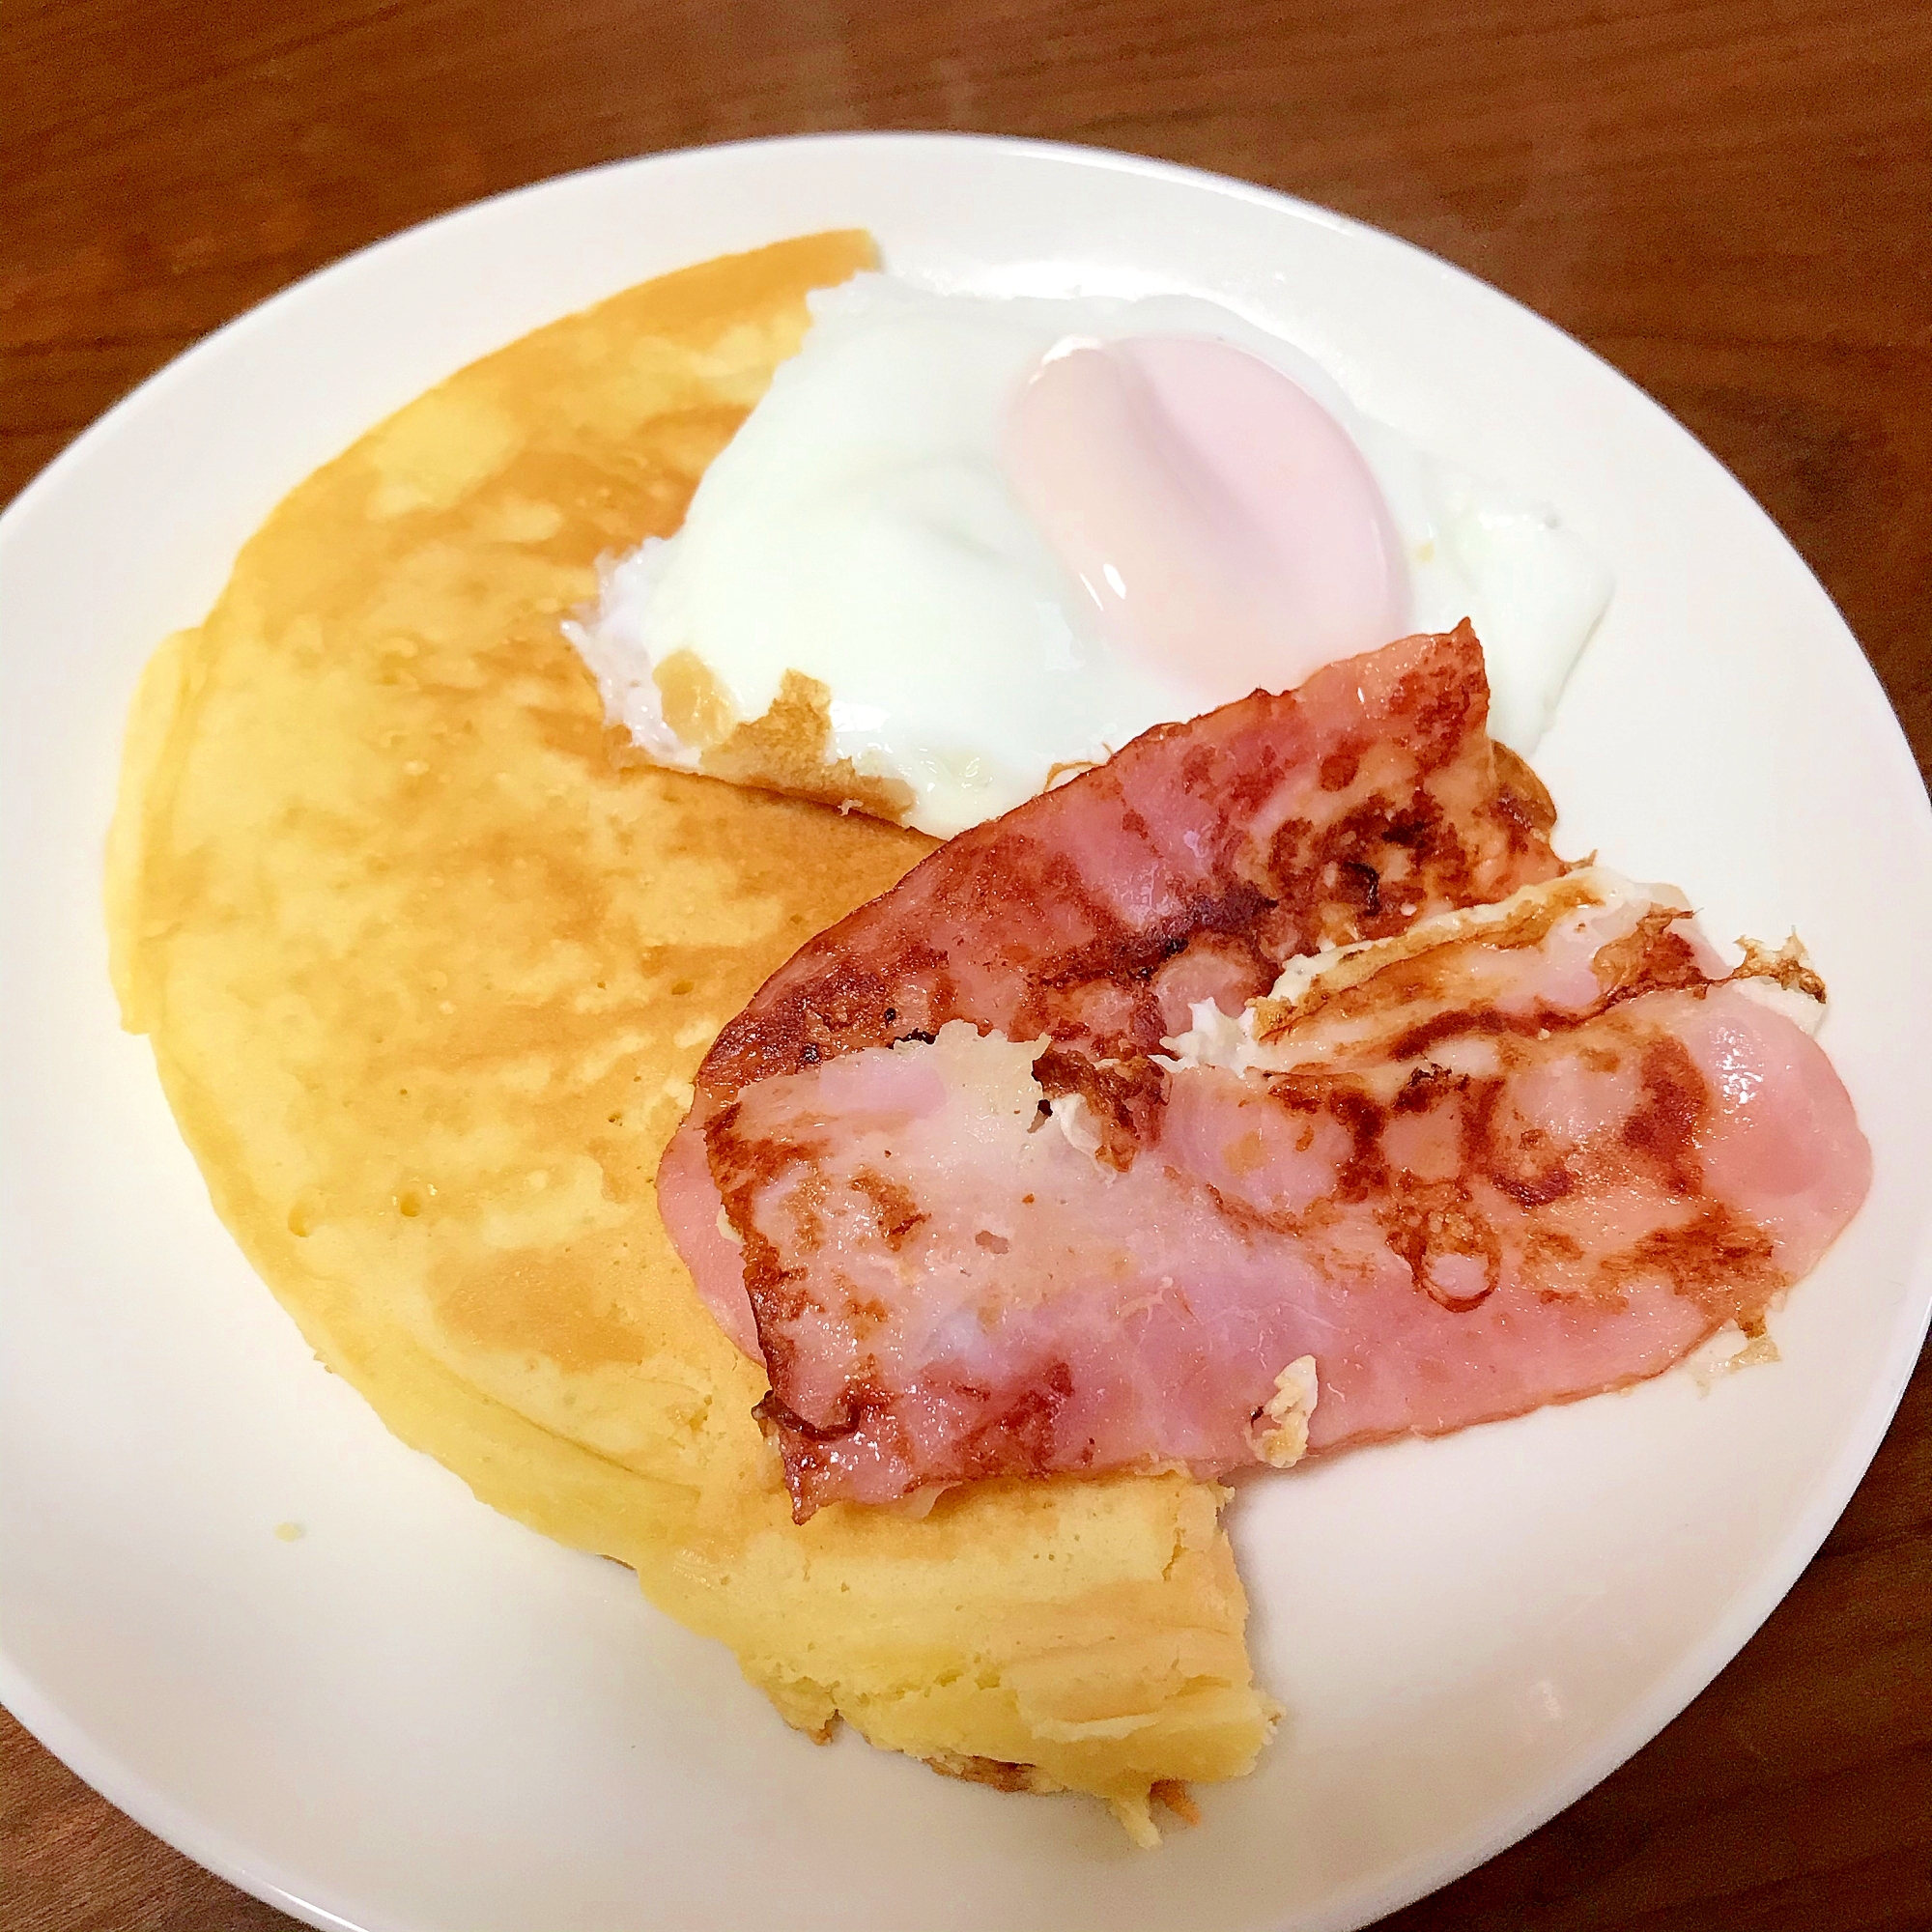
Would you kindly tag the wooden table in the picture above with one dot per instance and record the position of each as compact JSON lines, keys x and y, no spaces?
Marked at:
{"x":1729,"y":199}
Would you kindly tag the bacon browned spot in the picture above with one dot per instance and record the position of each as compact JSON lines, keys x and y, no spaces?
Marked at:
{"x":1522,"y":1166}
{"x":897,"y":1209}
{"x":1664,"y":1130}
{"x":1648,"y":957}
{"x":1018,"y":1436}
{"x":1124,"y":1097}
{"x":1429,"y":1221}
{"x":1719,"y":1259}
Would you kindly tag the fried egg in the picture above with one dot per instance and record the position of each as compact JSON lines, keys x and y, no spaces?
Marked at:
{"x":982,"y":540}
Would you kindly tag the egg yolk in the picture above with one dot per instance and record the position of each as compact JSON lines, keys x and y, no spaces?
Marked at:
{"x":1228,"y":531}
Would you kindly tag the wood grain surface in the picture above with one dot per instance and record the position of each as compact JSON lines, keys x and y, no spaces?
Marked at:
{"x":1731,"y":200}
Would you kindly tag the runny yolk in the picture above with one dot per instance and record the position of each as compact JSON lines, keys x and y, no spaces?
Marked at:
{"x":1225,"y":526}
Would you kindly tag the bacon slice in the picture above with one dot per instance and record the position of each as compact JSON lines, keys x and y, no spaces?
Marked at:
{"x":1189,"y":867}
{"x":1538,"y":1155}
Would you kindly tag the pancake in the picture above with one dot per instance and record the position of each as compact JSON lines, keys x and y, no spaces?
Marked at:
{"x":427,"y":966}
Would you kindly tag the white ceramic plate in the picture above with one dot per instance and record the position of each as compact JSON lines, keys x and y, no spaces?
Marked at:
{"x":420,"y":1718}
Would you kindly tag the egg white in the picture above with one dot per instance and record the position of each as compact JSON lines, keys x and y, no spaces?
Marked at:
{"x":859,"y":529}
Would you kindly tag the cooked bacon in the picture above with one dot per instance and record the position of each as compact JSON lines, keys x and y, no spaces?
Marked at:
{"x":996,"y":1182}
{"x":1518,"y":1158}
{"x":1188,"y":868}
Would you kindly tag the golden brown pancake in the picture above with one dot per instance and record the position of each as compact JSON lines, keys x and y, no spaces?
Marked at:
{"x":428,"y":966}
